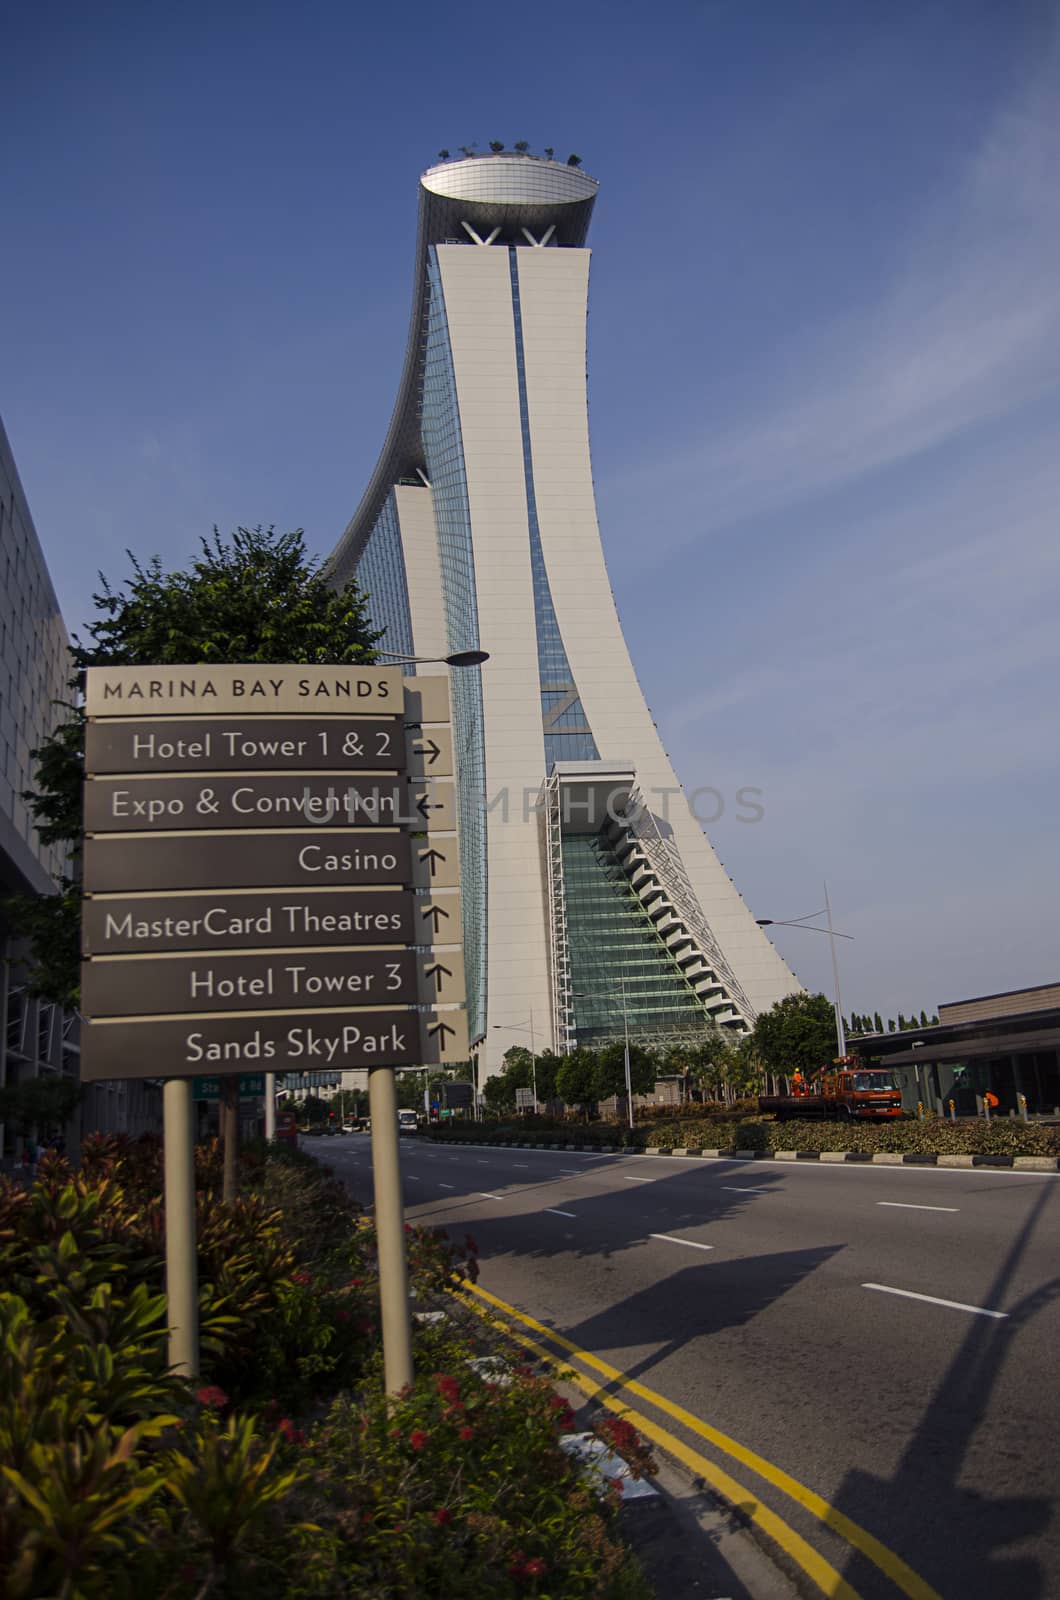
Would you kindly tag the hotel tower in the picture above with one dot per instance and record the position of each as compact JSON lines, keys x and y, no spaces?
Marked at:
{"x":591,"y":896}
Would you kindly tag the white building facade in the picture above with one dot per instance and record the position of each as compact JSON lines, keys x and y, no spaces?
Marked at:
{"x":591,"y":897}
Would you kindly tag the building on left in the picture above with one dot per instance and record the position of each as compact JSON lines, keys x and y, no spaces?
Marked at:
{"x":37,"y":1037}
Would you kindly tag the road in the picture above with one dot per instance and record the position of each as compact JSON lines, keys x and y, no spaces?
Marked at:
{"x":885,"y":1336}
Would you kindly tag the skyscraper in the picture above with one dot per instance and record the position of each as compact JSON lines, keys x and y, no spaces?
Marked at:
{"x":590,"y":893}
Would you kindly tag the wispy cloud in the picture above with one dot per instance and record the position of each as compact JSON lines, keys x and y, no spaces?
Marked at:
{"x":967,"y":331}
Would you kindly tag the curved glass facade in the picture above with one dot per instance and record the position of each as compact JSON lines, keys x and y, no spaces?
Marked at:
{"x":381,"y":574}
{"x":612,"y":942}
{"x":568,"y":736}
{"x":444,"y":452}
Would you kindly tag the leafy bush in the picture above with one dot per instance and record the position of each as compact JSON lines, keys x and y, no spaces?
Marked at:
{"x":120,"y":1480}
{"x":933,"y":1136}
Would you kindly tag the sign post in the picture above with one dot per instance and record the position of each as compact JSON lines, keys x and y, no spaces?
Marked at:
{"x":182,"y":1286}
{"x":272,"y":885}
{"x":390,"y":1231}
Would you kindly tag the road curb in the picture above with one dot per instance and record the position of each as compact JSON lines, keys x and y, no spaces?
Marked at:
{"x":880,"y":1158}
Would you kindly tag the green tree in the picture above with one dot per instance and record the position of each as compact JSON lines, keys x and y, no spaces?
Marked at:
{"x":877,"y":1023}
{"x":610,"y":1075}
{"x":258,"y":597}
{"x":798,"y":1031}
{"x":576,"y":1078}
{"x":522,"y":146}
{"x":496,"y":145}
{"x":43,"y":1103}
{"x":548,"y":1065}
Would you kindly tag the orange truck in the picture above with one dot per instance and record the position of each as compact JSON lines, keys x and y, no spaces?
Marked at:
{"x":844,"y":1091}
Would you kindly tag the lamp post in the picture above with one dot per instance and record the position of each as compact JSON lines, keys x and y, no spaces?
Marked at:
{"x":459,"y":658}
{"x":386,"y":1169}
{"x":806,"y":923}
{"x":521,"y":1027}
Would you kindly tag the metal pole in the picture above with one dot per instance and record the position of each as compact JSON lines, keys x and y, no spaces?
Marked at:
{"x":390,"y":1231}
{"x":270,"y":1106}
{"x":229,"y":1120}
{"x":182,"y":1287}
{"x":629,"y":1084}
{"x":533,"y":1061}
{"x":839,"y":1031}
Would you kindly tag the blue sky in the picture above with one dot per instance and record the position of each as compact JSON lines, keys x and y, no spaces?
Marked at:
{"x":824,"y":380}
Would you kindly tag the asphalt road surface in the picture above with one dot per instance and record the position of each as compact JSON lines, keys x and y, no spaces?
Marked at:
{"x":887,"y":1337}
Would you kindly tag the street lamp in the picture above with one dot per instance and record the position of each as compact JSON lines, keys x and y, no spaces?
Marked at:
{"x":806,"y":924}
{"x":459,"y":658}
{"x":520,"y":1027}
{"x":583,"y":994}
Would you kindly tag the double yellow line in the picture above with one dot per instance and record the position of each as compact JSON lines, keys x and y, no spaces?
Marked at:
{"x":820,"y":1571}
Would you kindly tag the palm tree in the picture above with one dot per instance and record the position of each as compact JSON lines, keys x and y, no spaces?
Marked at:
{"x":443,"y":155}
{"x":549,"y":152}
{"x":574,"y":161}
{"x":521,"y":145}
{"x":496,"y":145}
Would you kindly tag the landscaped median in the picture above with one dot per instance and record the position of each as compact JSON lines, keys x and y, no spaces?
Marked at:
{"x":933,"y":1141}
{"x":283,"y":1471}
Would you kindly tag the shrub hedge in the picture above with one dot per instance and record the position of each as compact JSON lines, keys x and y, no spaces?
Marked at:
{"x":283,"y":1471}
{"x":933,"y":1136}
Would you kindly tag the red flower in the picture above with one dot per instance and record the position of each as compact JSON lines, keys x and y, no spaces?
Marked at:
{"x":447,"y":1387}
{"x":467,"y":1433}
{"x":535,"y":1567}
{"x":342,"y":1316}
{"x":418,"y":1439}
{"x":356,"y":1283}
{"x":292,"y":1434}
{"x":301,"y":1277}
{"x":443,"y":1517}
{"x":211,"y":1395}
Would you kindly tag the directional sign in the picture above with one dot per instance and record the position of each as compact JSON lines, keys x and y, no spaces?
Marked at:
{"x":139,"y":805}
{"x":250,"y":834}
{"x":174,"y":804}
{"x":181,"y":1047}
{"x":436,"y":862}
{"x":243,"y":690}
{"x":142,"y":985}
{"x":137,"y":924}
{"x":445,"y":1038}
{"x":429,"y":752}
{"x":235,"y":861}
{"x":438,"y":918}
{"x":250,"y":1088}
{"x":426,"y":699}
{"x":272,"y":744}
{"x":441,"y":977}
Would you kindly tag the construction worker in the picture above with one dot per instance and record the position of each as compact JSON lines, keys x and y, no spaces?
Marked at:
{"x":798,"y":1083}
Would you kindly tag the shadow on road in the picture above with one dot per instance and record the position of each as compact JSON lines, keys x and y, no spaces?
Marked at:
{"x":966,"y":1554}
